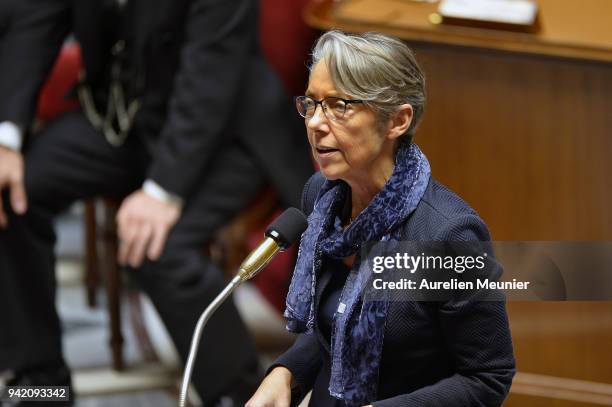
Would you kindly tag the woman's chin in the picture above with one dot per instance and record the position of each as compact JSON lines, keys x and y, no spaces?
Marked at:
{"x":330,"y":173}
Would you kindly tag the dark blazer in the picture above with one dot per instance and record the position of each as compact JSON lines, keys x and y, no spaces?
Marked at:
{"x":434,"y":354}
{"x":196,"y":67}
{"x":7,"y":8}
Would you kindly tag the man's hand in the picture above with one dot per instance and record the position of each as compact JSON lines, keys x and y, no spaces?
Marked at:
{"x":143,"y":224}
{"x":11,"y":177}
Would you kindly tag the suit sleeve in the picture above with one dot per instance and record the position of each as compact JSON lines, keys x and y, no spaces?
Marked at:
{"x":214,"y":54}
{"x":478,"y":339}
{"x":304,"y":360}
{"x":36,"y":31}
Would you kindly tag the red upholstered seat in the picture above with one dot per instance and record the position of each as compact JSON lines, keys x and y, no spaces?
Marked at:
{"x":55,"y":97}
{"x":286,"y":42}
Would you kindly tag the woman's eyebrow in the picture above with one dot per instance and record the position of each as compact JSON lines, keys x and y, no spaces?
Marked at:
{"x":332,"y":93}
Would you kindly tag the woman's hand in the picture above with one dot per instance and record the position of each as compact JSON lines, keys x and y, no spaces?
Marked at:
{"x":274,"y":390}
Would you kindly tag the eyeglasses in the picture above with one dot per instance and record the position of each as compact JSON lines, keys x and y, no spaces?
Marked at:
{"x":334,"y":108}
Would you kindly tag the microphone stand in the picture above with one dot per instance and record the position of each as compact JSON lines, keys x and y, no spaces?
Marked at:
{"x":248,"y":269}
{"x":197,"y":335}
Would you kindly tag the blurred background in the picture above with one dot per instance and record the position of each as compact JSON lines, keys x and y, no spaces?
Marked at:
{"x":518,"y":123}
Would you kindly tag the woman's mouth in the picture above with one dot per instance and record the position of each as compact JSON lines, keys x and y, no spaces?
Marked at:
{"x":322,"y":151}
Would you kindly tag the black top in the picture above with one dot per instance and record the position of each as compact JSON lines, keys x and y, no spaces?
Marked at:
{"x":331,"y":295}
{"x":454,"y":353}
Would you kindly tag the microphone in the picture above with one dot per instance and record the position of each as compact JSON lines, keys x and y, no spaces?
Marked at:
{"x":281,"y":234}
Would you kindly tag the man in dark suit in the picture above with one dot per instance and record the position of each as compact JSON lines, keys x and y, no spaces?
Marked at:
{"x":6,"y":8}
{"x":182,"y":115}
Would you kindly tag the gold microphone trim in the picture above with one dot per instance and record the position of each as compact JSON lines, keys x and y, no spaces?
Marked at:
{"x":258,"y":259}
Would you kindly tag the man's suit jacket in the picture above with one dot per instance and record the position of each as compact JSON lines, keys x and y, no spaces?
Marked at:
{"x":7,"y":8}
{"x":196,"y":68}
{"x":453,"y":353}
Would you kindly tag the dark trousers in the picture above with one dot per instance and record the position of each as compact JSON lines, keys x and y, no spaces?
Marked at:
{"x":70,"y":161}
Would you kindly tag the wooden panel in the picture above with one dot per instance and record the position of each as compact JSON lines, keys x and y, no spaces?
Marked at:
{"x":526,"y":140}
{"x":567,"y":28}
{"x":524,"y":400}
{"x":548,"y":391}
{"x":569,"y":339}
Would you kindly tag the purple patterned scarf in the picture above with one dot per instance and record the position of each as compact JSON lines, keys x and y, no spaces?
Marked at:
{"x":357,"y":337}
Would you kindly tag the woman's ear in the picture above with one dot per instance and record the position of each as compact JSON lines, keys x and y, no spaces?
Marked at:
{"x":400,"y":121}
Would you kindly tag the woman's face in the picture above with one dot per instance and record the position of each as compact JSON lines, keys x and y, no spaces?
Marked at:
{"x":349,"y":148}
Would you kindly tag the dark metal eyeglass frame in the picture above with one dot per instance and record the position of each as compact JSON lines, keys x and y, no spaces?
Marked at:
{"x":324,"y":105}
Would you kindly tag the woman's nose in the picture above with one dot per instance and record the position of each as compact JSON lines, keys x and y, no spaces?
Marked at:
{"x":318,"y":119}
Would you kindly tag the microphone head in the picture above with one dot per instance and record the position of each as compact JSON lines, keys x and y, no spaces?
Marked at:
{"x":288,"y":227}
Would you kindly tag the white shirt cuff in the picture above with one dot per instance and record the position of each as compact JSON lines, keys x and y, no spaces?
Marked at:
{"x":154,"y":190}
{"x":10,"y":136}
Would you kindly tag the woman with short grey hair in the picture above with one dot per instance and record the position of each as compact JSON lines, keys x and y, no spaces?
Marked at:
{"x":364,"y":99}
{"x":378,"y":69}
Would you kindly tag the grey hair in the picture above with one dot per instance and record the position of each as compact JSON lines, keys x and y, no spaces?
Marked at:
{"x":376,"y":68}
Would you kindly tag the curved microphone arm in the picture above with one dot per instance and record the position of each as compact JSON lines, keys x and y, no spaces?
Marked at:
{"x":197,"y":335}
{"x":285,"y":230}
{"x":248,"y":269}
